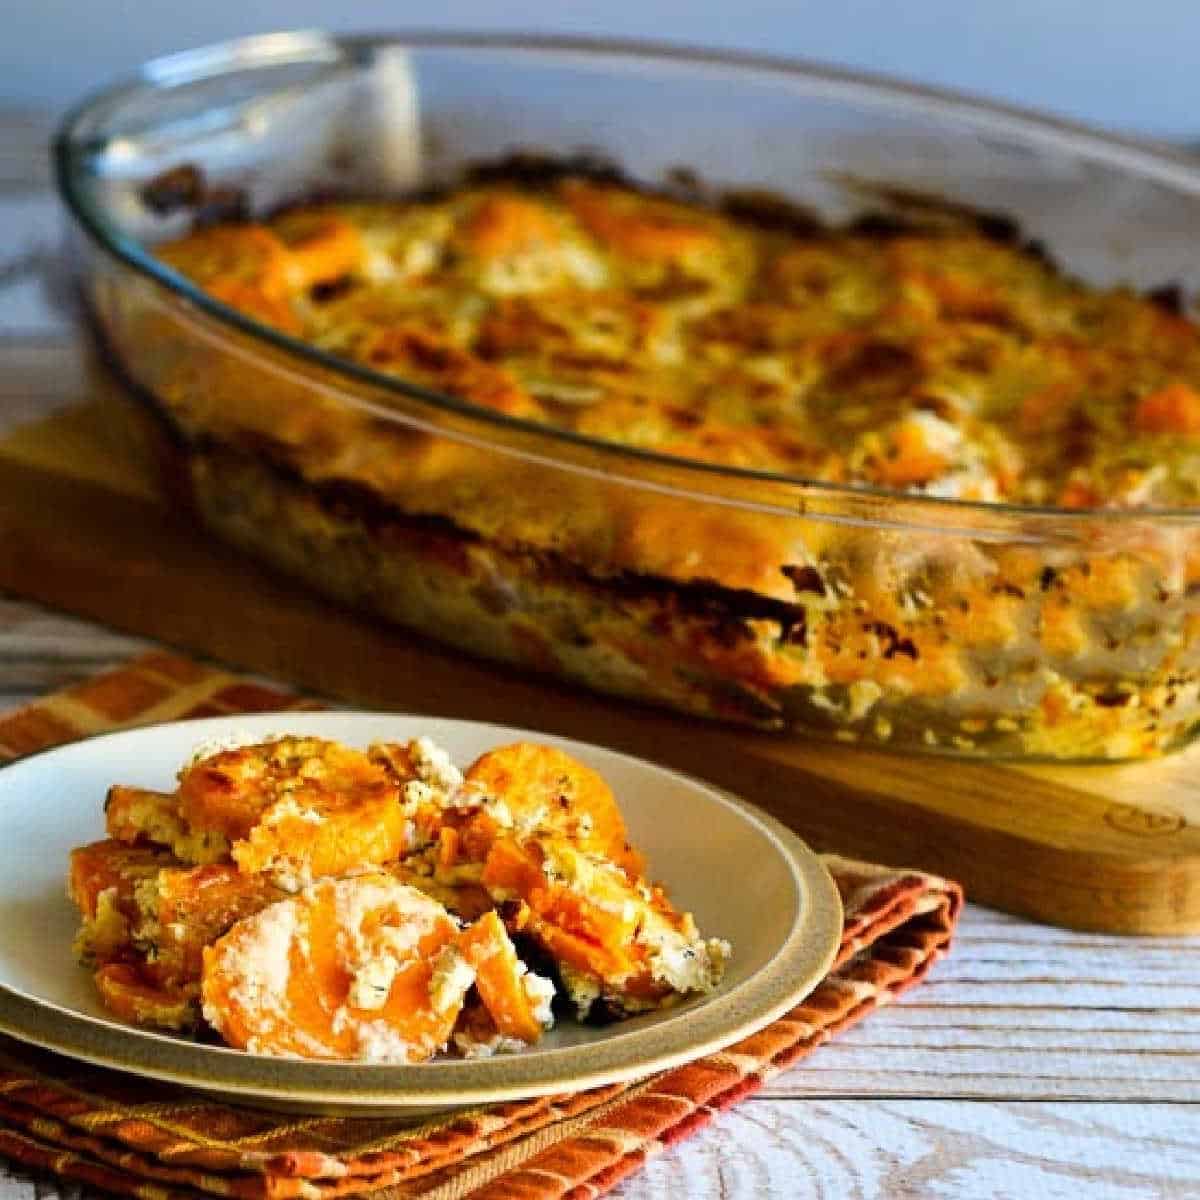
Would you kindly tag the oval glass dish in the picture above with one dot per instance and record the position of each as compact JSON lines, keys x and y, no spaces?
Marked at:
{"x":851,"y":612}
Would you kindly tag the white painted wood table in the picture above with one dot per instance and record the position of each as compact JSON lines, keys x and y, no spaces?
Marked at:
{"x":1034,"y":1063}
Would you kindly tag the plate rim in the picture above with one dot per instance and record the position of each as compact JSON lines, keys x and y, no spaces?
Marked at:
{"x":798,"y":964}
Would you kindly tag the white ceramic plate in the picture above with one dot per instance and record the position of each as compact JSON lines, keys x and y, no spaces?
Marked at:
{"x":743,"y":875}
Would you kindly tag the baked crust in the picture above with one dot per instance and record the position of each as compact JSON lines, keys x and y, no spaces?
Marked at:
{"x":936,"y":362}
{"x":1017,"y":658}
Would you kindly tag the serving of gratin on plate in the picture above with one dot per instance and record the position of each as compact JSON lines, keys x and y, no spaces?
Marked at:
{"x":300,"y":897}
{"x":748,"y":435}
{"x":356,"y":911}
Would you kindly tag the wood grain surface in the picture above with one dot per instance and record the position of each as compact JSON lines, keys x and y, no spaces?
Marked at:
{"x":1036,"y":1062}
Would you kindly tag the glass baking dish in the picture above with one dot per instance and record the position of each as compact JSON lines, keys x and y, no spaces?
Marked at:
{"x":868,"y":616}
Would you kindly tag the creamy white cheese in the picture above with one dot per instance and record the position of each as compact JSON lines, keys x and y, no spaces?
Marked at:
{"x":687,"y":964}
{"x":473,"y":1047}
{"x":379,"y":1042}
{"x":539,"y":991}
{"x":433,"y":764}
{"x":417,"y":793}
{"x":372,"y":983}
{"x":452,"y":977}
{"x":237,"y":739}
{"x":940,"y":436}
{"x":356,"y":897}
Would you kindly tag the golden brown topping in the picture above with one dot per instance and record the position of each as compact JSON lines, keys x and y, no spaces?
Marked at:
{"x":433,"y":360}
{"x":813,"y":354}
{"x":298,"y":807}
{"x":639,"y":226}
{"x":543,"y":788}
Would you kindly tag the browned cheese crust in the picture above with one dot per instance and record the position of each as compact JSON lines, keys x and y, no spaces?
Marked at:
{"x":941,"y":363}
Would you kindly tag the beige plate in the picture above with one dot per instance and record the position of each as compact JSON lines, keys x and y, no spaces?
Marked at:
{"x":744,"y":875}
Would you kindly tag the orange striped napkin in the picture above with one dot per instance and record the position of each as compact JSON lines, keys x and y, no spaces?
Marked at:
{"x":138,"y":1138}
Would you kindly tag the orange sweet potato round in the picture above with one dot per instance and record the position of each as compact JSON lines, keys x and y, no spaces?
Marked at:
{"x":302,"y":806}
{"x":100,"y":866}
{"x":344,"y":970}
{"x":591,"y":930}
{"x":128,"y":995}
{"x":322,"y":245}
{"x":563,"y":795}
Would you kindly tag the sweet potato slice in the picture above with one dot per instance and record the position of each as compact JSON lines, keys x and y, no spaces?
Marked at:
{"x":255,"y":302}
{"x":103,"y":881}
{"x":323,"y":246}
{"x":301,"y":808}
{"x":641,"y":227}
{"x":1172,"y":409}
{"x":136,"y":815}
{"x":506,"y":224}
{"x":110,"y":865}
{"x":245,"y":266}
{"x":501,"y":980}
{"x":191,"y":908}
{"x":623,"y":935}
{"x":128,"y":995}
{"x":592,"y":928}
{"x":250,"y":254}
{"x":348,"y":969}
{"x":546,"y":787}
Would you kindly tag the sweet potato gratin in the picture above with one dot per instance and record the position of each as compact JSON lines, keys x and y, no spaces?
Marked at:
{"x":298,"y":897}
{"x":944,"y":361}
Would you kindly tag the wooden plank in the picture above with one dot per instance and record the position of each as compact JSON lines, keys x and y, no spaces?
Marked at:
{"x":883,"y":1150}
{"x":81,"y":528}
{"x":1020,"y":1011}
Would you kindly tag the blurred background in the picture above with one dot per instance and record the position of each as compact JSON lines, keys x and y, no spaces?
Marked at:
{"x":1128,"y":65}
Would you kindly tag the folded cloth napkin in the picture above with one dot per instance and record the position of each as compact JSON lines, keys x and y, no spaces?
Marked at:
{"x":139,"y":1138}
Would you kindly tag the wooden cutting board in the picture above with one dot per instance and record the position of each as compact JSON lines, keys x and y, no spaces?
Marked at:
{"x":1114,"y":848}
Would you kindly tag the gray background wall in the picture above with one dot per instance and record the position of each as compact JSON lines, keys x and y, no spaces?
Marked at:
{"x":1125,"y":63}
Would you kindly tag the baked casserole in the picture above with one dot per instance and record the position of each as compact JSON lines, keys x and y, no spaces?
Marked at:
{"x":897,"y":482}
{"x":946,"y":362}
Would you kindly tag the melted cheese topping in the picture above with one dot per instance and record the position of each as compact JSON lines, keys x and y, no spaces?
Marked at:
{"x":540,"y":993}
{"x":452,"y":977}
{"x":936,"y":361}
